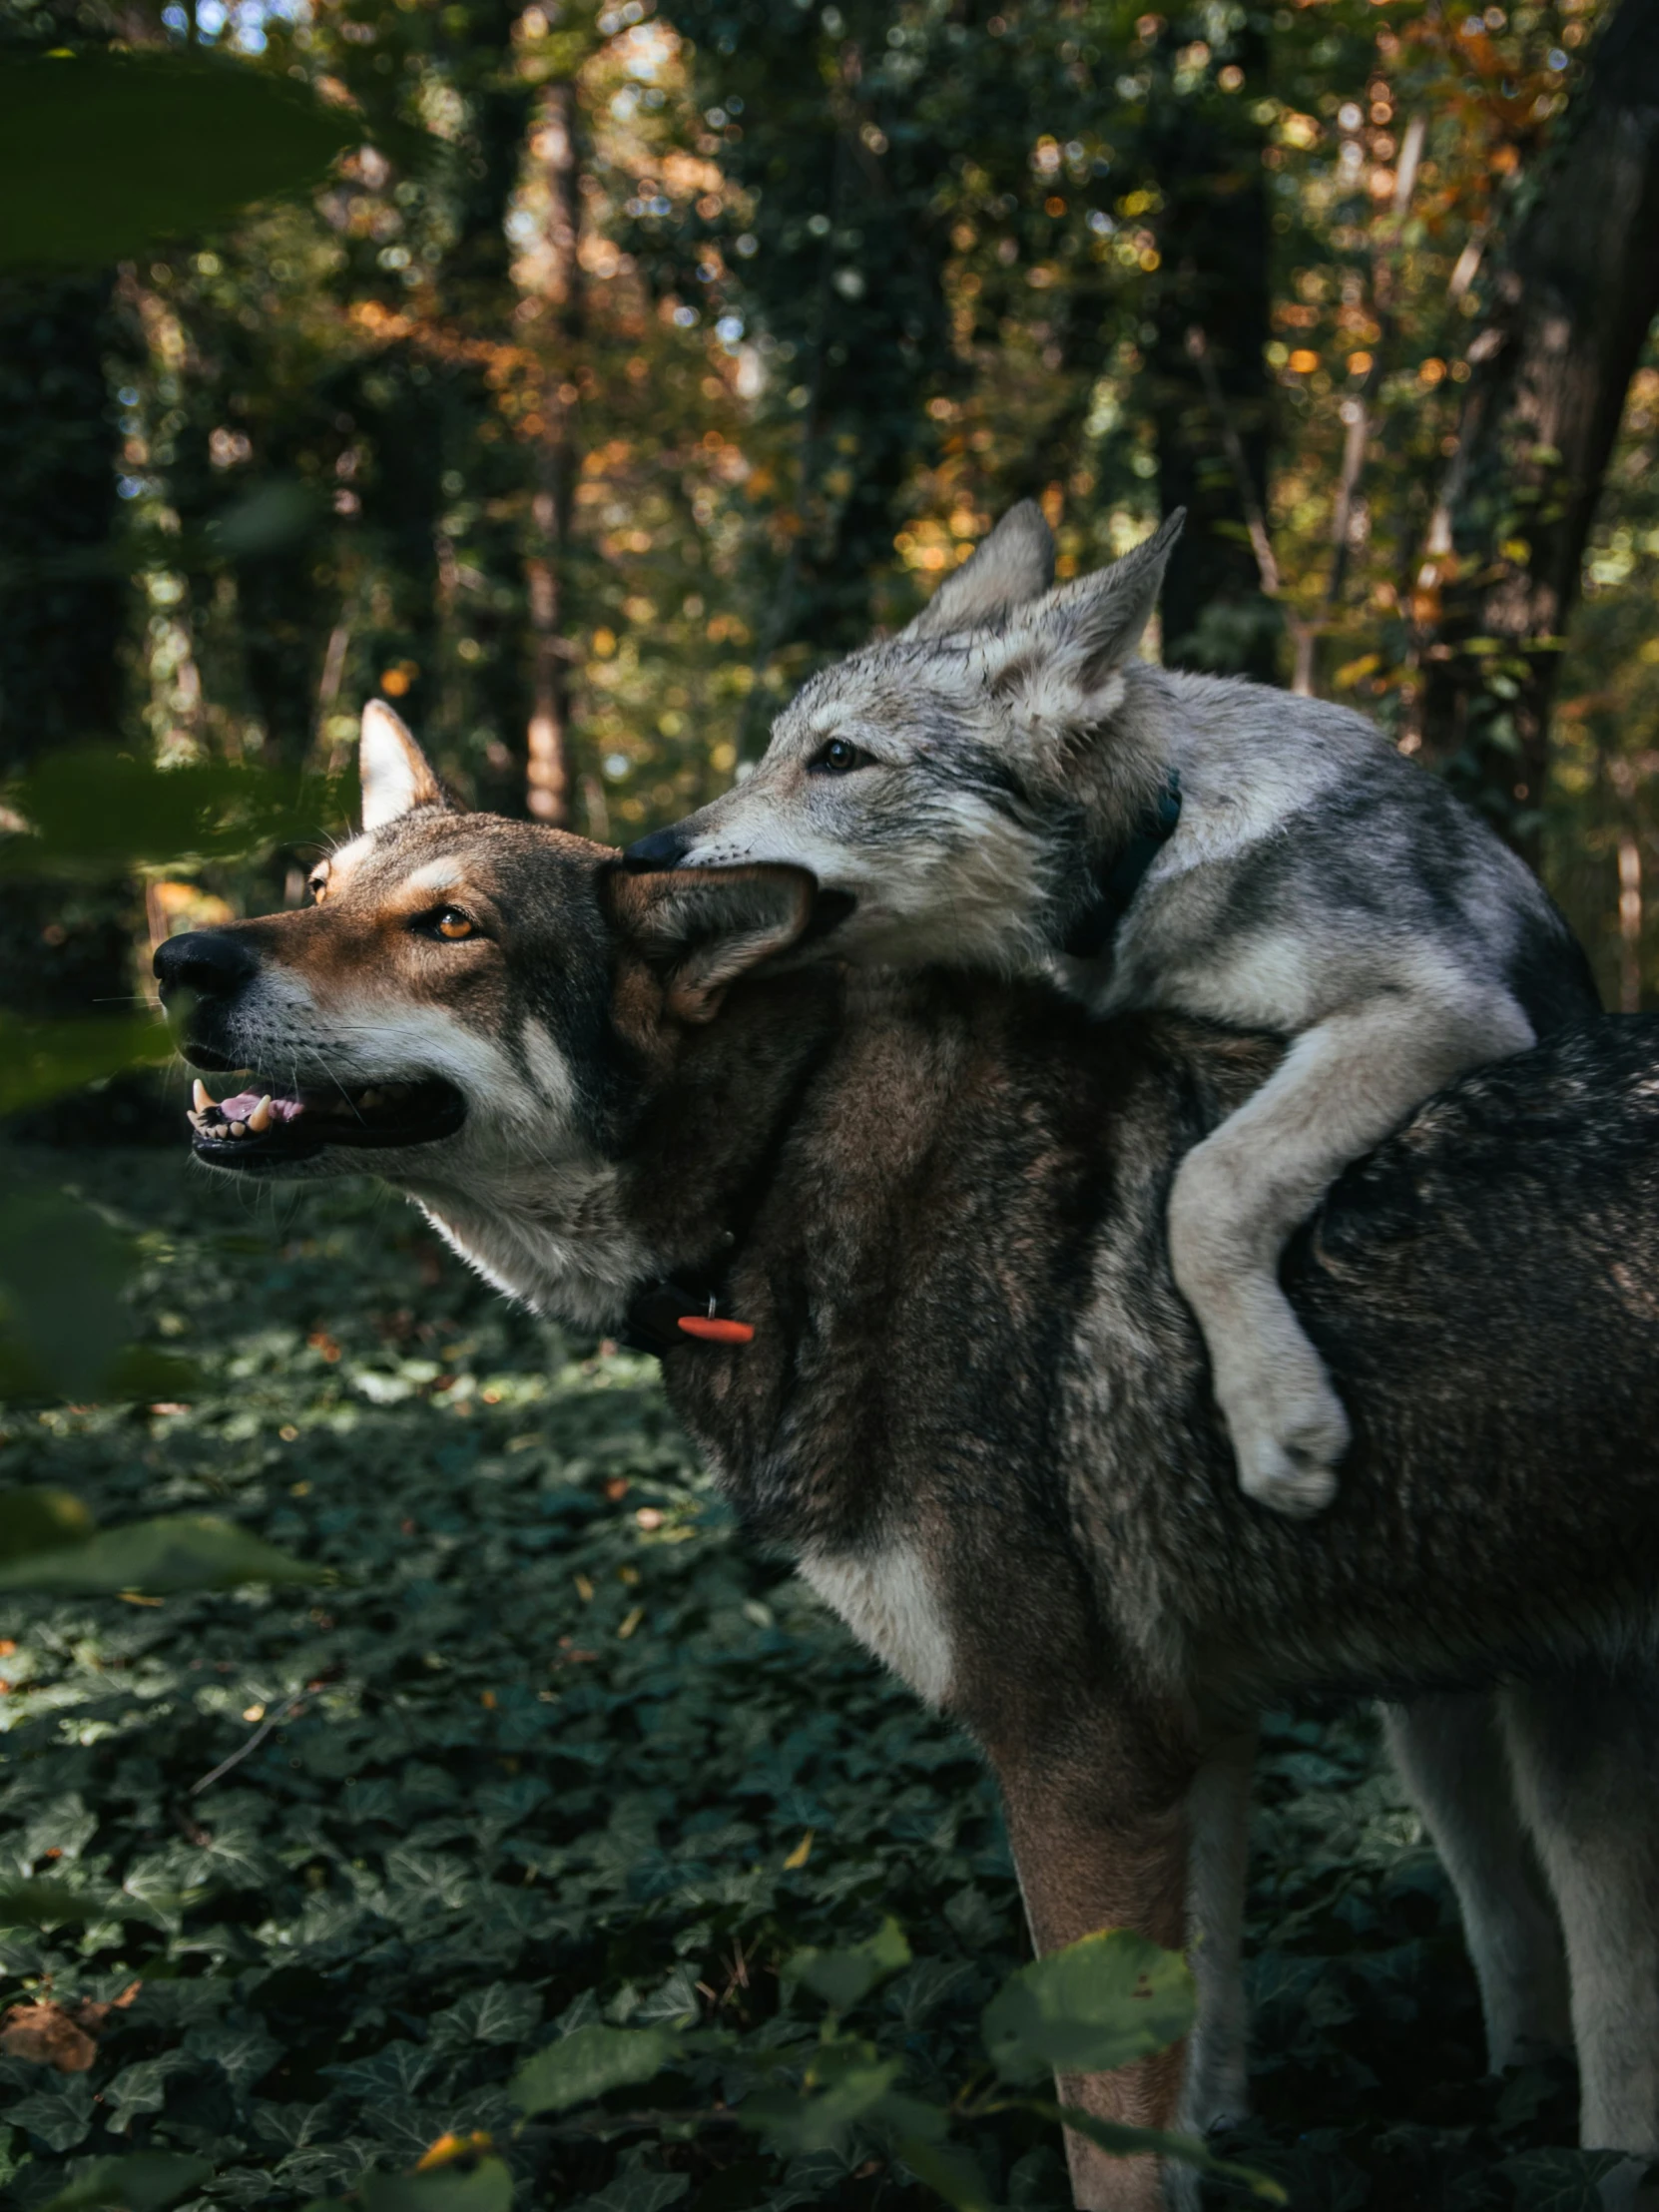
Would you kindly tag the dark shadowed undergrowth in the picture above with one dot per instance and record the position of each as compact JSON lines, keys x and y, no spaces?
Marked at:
{"x":556,"y":1745}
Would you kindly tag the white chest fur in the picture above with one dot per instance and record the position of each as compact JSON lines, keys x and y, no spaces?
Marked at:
{"x":889,"y":1602}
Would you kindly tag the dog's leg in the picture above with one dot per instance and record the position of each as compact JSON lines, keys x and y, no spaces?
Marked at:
{"x":1341,"y":1088}
{"x":1451,"y":1756}
{"x":1585,"y":1749}
{"x":1099,"y":1832}
{"x":1217,"y":2088}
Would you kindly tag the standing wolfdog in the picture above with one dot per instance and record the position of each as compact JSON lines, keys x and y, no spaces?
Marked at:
{"x":986,"y":790}
{"x":1043,"y":1538}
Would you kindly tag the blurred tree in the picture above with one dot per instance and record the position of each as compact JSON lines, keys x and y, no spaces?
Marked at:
{"x":1206,"y":384}
{"x":682,"y":343}
{"x":1570,"y":313}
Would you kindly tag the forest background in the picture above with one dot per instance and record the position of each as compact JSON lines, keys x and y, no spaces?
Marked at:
{"x":579,"y":378}
{"x":645,"y":358}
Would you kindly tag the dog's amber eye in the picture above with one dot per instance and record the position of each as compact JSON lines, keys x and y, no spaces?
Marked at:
{"x":452,"y":923}
{"x":838,"y":757}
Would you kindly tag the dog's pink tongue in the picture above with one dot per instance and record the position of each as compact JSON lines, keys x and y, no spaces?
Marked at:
{"x":239,"y":1107}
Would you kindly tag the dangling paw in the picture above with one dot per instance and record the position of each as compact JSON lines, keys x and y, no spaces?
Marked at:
{"x":1290,"y":1436}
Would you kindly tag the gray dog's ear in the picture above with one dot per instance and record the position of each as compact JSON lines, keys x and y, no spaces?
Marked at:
{"x":397,"y":777}
{"x":701,"y":928}
{"x":1014,"y":564}
{"x":1061,"y":661}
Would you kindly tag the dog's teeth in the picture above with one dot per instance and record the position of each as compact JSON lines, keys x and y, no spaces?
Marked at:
{"x":238,"y":1129}
{"x":259,"y":1121}
{"x":370,"y":1098}
{"x":220,"y":1129}
{"x":199,"y":1093}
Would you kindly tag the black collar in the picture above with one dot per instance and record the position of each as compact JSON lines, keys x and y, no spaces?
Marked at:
{"x":1114,"y":885}
{"x":693,"y":1307}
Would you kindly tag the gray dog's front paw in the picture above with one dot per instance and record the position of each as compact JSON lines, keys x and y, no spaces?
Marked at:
{"x":1289,"y":1441}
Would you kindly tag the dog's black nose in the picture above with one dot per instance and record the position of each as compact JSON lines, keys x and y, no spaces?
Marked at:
{"x":209,"y":962}
{"x":663,"y":848}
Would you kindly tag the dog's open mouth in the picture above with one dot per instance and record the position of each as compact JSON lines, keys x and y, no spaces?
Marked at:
{"x":258,"y":1126}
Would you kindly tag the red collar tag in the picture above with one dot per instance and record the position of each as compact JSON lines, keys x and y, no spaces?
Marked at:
{"x":715,"y":1331}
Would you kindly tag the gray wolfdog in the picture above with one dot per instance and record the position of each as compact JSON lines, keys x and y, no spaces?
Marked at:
{"x":975,"y":785}
{"x":590,"y":1084}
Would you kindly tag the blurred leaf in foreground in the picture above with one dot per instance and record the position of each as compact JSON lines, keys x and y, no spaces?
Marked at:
{"x":1097,"y":2004}
{"x":93,"y":811}
{"x":40,"y":1060}
{"x":102,"y":153}
{"x":843,"y":1977}
{"x":185,"y":1551}
{"x":588,"y":2063}
{"x":62,"y":1268}
{"x":145,"y":2182}
{"x":487,"y":2187}
{"x":34,"y":1519}
{"x":34,"y":1903}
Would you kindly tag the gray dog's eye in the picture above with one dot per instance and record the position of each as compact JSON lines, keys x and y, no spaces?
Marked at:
{"x":838,"y":758}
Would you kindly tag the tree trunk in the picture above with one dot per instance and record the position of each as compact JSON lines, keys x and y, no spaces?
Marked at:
{"x":1570,"y":313}
{"x":1214,"y":240}
{"x":552,"y":505}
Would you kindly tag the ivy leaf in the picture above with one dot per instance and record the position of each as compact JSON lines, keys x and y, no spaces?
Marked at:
{"x":61,"y":2116}
{"x":588,"y":2063}
{"x":242,"y":2048}
{"x":41,"y":1059}
{"x":33,"y":1521}
{"x":183,"y":1551}
{"x":639,"y":2191}
{"x":94,"y":813}
{"x":145,"y":2181}
{"x":843,"y":1977}
{"x":488,"y":2187}
{"x":39,"y":1904}
{"x":818,"y":2120}
{"x":505,"y":2012}
{"x":1113,"y":1998}
{"x":950,"y":2171}
{"x":1186,"y":2151}
{"x":675,"y":2004}
{"x":1563,"y":2180}
{"x":191,"y":137}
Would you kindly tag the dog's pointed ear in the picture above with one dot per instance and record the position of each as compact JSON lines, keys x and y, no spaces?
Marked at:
{"x":1063,"y":659}
{"x":1014,"y":564}
{"x":397,"y":777}
{"x":700,"y":929}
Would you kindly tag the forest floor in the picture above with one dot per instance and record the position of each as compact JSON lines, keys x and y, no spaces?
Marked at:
{"x":556,"y":1745}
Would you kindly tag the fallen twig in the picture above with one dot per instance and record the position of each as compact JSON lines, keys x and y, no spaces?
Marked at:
{"x":273,"y":1719}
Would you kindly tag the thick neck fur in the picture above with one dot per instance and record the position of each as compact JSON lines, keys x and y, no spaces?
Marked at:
{"x":579,"y":1235}
{"x":1098,"y":785}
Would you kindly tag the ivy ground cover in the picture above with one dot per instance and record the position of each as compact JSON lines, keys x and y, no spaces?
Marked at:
{"x":550,"y":1745}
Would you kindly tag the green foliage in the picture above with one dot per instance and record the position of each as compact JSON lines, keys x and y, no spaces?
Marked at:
{"x":33,"y":1520}
{"x":543,"y":1761}
{"x":485,"y":2187}
{"x":589,"y":2062}
{"x":1091,"y":2006}
{"x":40,"y":1060}
{"x":184,"y":1552}
{"x":42,"y":1903}
{"x":1104,"y":2001}
{"x":145,"y":2181}
{"x":96,"y":813}
{"x":63,"y":1272}
{"x":845,"y":1978}
{"x":104,"y":154}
